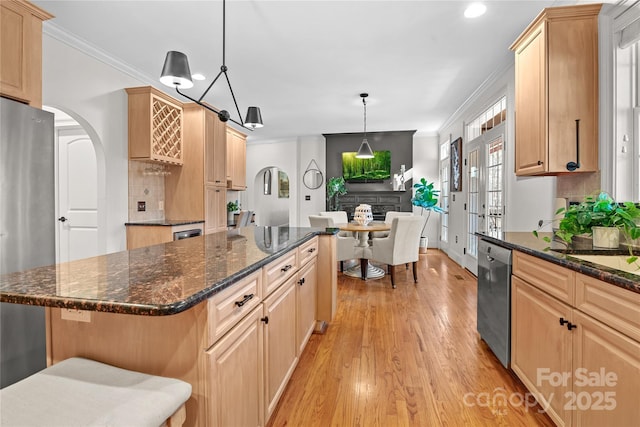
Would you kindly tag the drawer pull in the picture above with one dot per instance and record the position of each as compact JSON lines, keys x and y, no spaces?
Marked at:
{"x":246,"y":299}
{"x":265,"y":319}
{"x":286,"y":268}
{"x":301,"y":281}
{"x":571,"y":326}
{"x":312,"y":250}
{"x":563,"y":322}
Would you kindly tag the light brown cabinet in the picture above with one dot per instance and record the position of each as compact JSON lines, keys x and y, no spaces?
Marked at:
{"x":21,"y":51}
{"x":139,"y":236}
{"x":197,"y":189}
{"x":236,"y":160}
{"x":155,"y":126}
{"x":577,"y":352}
{"x":306,"y":290}
{"x":556,"y":96}
{"x":235,"y":394}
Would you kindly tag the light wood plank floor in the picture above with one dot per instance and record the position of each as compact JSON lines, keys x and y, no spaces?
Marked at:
{"x":405,"y":356}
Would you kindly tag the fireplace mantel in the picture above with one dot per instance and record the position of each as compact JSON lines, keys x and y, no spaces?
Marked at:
{"x":381,"y":202}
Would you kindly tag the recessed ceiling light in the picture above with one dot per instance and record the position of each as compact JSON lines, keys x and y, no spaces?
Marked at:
{"x":198,"y":76}
{"x":474,"y":10}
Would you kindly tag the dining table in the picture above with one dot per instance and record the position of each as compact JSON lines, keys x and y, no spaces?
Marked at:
{"x":362,"y":231}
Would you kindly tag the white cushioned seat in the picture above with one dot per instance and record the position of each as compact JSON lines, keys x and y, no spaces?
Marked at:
{"x":388,"y":218}
{"x":82,"y":392}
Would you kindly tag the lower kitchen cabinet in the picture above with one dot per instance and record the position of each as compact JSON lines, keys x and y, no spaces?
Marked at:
{"x":281,"y":352}
{"x":578,"y":353}
{"x":235,"y":394}
{"x":306,"y":287}
{"x":538,"y":341}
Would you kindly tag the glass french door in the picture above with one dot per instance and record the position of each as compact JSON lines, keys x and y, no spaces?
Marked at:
{"x":485,"y":197}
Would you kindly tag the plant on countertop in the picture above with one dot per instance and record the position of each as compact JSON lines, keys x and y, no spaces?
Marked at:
{"x":335,"y":187}
{"x":600,"y":211}
{"x":233,"y":206}
{"x":426,"y":197}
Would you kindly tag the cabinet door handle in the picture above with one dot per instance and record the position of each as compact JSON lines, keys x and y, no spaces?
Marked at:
{"x":265,"y":319}
{"x":571,"y":326}
{"x":246,"y":299}
{"x":301,"y":281}
{"x":563,"y":322}
{"x":62,"y":219}
{"x":539,"y":162}
{"x":286,"y":268}
{"x":571,"y":166}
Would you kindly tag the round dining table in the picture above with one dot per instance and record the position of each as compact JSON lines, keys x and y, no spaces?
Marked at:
{"x":363,"y":231}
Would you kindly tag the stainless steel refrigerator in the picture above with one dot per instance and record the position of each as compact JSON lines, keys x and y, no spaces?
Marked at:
{"x":27,"y":233}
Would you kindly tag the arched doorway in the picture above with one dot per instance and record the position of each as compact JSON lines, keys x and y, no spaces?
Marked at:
{"x":80,"y":191}
{"x":271,"y":198}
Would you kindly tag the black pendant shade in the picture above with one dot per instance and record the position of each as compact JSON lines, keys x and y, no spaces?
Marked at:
{"x":175,"y":71}
{"x":254,"y":118}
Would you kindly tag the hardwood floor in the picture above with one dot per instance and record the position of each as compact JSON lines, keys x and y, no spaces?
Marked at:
{"x":405,"y":356}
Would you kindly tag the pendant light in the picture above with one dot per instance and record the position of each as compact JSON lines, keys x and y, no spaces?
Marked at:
{"x":365,"y":151}
{"x":176,"y":73}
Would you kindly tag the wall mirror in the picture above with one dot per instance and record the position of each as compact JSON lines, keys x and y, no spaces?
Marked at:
{"x":313,"y":177}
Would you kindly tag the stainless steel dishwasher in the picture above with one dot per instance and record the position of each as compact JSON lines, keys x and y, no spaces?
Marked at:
{"x":494,"y":299}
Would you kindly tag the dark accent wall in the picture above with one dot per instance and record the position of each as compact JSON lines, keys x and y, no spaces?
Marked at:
{"x":399,"y":143}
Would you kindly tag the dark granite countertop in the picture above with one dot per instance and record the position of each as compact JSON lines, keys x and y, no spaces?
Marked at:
{"x":560,"y":254}
{"x":166,"y":222}
{"x":155,"y":280}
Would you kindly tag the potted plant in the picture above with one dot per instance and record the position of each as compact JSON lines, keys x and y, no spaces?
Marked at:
{"x":335,"y":187}
{"x":600,"y":217}
{"x":426,"y":197}
{"x":232,"y":208}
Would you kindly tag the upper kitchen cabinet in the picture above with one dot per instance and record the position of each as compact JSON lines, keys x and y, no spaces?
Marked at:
{"x":155,"y":126}
{"x":21,"y":51}
{"x":197,"y":190}
{"x":236,"y":160}
{"x":556,"y":65}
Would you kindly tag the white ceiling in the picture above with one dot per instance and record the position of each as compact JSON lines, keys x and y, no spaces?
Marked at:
{"x":304,"y":63}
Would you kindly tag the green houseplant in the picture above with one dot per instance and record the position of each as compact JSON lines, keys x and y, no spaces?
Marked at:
{"x":335,"y":187}
{"x":232,"y":207}
{"x":599,"y":211}
{"x":426,"y":197}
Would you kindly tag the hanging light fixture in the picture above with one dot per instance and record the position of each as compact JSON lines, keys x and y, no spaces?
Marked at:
{"x":176,"y":73}
{"x":365,"y":151}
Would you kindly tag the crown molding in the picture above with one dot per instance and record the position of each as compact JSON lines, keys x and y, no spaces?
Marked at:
{"x":54,"y":31}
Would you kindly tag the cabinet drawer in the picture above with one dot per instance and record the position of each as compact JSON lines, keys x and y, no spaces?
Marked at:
{"x":613,"y":306}
{"x":551,"y":278}
{"x":229,"y":306}
{"x":279,"y":270}
{"x":307,"y":251}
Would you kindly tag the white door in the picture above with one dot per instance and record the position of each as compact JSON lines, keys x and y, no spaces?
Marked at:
{"x":77,"y":196}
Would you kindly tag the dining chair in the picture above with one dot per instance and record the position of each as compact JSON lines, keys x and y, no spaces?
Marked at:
{"x":339,"y":217}
{"x":242,"y":219}
{"x":247,"y":219}
{"x":388,"y":218}
{"x":345,"y":245}
{"x":401,"y":246}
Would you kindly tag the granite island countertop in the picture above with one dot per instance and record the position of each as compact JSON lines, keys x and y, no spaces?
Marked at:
{"x":155,"y":280}
{"x":560,"y":254}
{"x":165,"y":222}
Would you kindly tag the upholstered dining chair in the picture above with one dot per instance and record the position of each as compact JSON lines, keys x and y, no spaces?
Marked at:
{"x":339,"y":217}
{"x":401,"y":246}
{"x":388,"y":218}
{"x":345,"y":245}
{"x":244,"y":217}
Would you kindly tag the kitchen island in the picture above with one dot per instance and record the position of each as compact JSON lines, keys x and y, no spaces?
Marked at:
{"x":228,"y":312}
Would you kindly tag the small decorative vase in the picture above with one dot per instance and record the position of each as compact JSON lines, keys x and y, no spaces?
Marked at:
{"x":363,"y":214}
{"x":606,"y":237}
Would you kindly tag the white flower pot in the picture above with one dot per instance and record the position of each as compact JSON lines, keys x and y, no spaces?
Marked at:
{"x":606,"y":237}
{"x":424,"y":244}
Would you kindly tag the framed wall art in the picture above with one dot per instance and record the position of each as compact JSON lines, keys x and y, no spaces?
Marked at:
{"x":283,"y":185}
{"x":455,"y":180}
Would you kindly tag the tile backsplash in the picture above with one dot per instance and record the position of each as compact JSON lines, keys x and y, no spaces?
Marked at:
{"x":574,"y":187}
{"x":146,"y":184}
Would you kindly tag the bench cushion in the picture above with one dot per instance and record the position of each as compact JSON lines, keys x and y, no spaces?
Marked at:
{"x":82,"y":392}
